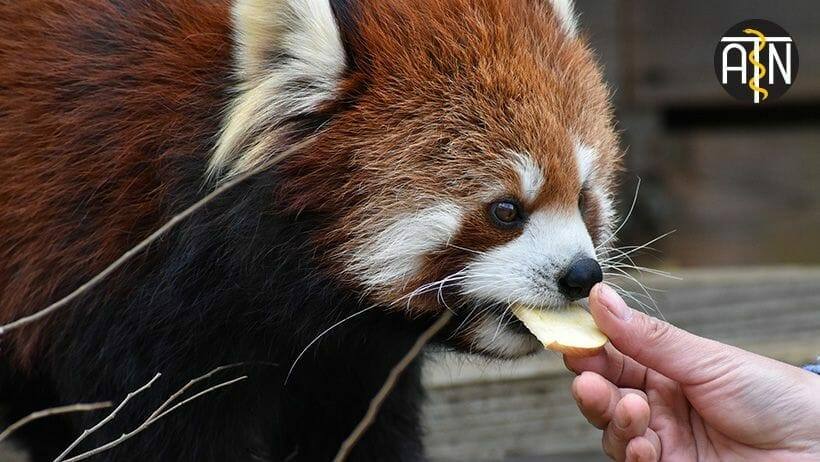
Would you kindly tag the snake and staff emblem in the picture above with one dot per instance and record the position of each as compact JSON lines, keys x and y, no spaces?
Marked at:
{"x":756,"y":61}
{"x":760,"y":69}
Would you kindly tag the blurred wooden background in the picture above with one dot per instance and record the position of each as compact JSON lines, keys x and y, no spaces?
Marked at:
{"x":738,"y":183}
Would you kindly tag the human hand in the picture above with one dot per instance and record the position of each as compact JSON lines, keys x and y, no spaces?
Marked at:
{"x":663,"y":394}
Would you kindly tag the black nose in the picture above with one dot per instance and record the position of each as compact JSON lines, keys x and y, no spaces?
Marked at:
{"x":579,"y":278}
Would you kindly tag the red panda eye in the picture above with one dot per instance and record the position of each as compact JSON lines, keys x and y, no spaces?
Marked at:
{"x":505,"y":213}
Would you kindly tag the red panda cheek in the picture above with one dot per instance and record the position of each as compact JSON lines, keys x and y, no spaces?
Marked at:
{"x":443,"y":267}
{"x":384,"y":253}
{"x":420,"y":273}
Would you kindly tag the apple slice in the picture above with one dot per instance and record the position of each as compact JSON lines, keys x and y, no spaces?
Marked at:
{"x":570,"y":330}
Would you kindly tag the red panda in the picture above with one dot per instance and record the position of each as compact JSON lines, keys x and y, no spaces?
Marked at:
{"x":453,"y":155}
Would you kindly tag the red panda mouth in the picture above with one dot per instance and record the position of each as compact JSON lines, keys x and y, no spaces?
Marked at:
{"x":490,"y":329}
{"x":508,"y":319}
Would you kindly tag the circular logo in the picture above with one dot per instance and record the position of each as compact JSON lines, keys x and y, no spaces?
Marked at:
{"x":756,"y":61}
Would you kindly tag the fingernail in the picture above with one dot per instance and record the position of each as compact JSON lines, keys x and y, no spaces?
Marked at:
{"x":575,"y":395}
{"x":613,"y":303}
{"x":623,"y":422}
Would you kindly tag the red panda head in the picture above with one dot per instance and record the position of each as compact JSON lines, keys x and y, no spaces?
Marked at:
{"x":463,"y":151}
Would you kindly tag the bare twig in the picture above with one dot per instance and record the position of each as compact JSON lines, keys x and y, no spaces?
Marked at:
{"x":107,"y":419}
{"x":164,"y":409}
{"x":153,"y":237}
{"x":51,"y":412}
{"x":101,"y":276}
{"x":389,"y":384}
{"x":147,"y":423}
{"x":188,"y":400}
{"x":188,"y":385}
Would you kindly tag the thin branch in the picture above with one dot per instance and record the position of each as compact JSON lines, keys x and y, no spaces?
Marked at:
{"x":188,"y":400}
{"x":107,"y":419}
{"x":188,"y":385}
{"x":158,"y":413}
{"x":124,"y":258}
{"x":153,"y":237}
{"x":148,"y":422}
{"x":389,"y":384}
{"x":51,"y":412}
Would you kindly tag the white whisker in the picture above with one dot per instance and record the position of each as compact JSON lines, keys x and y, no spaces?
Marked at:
{"x":628,"y":215}
{"x":312,"y":342}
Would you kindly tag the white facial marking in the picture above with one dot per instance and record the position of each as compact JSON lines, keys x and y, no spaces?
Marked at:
{"x":585,"y":158}
{"x":395,"y":253}
{"x":303,"y":34}
{"x":491,"y":335}
{"x":530,"y":176}
{"x":607,"y":208}
{"x":527,"y":269}
{"x":565,"y":12}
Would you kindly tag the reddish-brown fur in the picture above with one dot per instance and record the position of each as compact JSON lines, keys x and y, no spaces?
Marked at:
{"x":87,"y":124}
{"x":448,"y":93}
{"x":444,"y":90}
{"x":110,"y":111}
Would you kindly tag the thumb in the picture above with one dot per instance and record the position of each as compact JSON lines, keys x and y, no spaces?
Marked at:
{"x":658,"y":345}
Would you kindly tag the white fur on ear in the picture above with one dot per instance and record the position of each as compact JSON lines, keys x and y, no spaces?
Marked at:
{"x":565,"y":12}
{"x":305,"y":30}
{"x":290,"y":58}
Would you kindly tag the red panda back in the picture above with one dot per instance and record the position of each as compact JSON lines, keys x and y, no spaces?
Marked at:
{"x":97,"y":98}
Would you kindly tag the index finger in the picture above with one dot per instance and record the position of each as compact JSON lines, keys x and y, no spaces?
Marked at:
{"x":610,"y":363}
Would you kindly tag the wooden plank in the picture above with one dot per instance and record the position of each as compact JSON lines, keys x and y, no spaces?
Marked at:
{"x":738,"y":197}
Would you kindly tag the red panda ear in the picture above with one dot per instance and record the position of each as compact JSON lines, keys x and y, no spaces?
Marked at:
{"x":346,"y":13}
{"x":270,"y":33}
{"x":290,"y":60}
{"x":564,"y":12}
